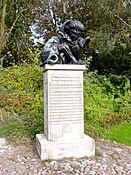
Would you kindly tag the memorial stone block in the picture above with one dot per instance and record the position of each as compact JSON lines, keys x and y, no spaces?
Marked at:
{"x":63,"y":114}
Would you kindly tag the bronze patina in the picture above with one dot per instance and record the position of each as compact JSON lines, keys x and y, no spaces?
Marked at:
{"x":66,"y":47}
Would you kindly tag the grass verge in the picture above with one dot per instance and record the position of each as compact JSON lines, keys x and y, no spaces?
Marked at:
{"x":120,"y":133}
{"x":12,"y":128}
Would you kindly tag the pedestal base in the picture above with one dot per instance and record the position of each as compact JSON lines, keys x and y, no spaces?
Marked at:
{"x":71,"y":148}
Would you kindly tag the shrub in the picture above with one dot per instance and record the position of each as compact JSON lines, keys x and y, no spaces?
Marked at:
{"x":21,"y":92}
{"x":21,"y":88}
{"x":105,"y":104}
{"x":107,"y":100}
{"x":116,"y":61}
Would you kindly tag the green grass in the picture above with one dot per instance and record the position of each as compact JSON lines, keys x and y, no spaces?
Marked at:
{"x":120,"y":133}
{"x":20,"y":127}
{"x":12,"y":128}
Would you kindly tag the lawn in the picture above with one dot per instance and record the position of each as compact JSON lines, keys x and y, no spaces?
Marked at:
{"x":120,"y":133}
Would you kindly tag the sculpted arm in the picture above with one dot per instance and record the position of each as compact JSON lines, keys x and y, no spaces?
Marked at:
{"x":50,"y":53}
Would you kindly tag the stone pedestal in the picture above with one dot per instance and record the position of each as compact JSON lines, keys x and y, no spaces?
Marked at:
{"x":63,"y":114}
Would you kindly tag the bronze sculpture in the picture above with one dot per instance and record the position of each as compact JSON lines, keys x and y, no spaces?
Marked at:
{"x":67,"y":46}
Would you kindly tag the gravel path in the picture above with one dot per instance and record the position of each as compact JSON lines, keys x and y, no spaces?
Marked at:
{"x":111,"y":158}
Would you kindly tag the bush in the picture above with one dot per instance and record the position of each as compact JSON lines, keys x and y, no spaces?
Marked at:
{"x":105,"y":104}
{"x":21,"y":92}
{"x":107,"y":100}
{"x":116,"y":61}
{"x":21,"y":88}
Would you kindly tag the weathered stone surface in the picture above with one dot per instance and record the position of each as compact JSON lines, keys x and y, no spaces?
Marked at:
{"x":63,"y":114}
{"x":63,"y":105}
{"x":71,"y":148}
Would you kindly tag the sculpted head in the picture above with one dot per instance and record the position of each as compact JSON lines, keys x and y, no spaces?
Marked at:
{"x":73,"y":28}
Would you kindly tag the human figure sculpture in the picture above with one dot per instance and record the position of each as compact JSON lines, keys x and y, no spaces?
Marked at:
{"x":67,"y":46}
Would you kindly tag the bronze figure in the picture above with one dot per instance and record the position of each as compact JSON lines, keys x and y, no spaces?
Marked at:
{"x":67,"y":46}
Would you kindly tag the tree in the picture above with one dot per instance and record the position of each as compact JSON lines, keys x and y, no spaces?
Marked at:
{"x":15,"y":21}
{"x":107,"y":22}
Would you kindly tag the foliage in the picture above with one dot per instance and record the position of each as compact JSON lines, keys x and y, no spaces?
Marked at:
{"x":116,"y":61}
{"x":20,"y":86}
{"x":105,"y":103}
{"x":22,"y":93}
{"x":16,"y":19}
{"x":106,"y":22}
{"x":107,"y":96}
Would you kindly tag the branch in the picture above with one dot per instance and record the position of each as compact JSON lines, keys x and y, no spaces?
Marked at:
{"x":2,"y":27}
{"x":7,"y":37}
{"x":15,"y":22}
{"x":3,"y":3}
{"x":1,"y":117}
{"x":122,"y":21}
{"x":3,"y":21}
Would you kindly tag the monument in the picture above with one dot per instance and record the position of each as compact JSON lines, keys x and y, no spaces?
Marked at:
{"x":63,"y":96}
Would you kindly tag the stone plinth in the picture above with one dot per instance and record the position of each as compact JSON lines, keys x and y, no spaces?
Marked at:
{"x":67,"y":148}
{"x":63,"y":114}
